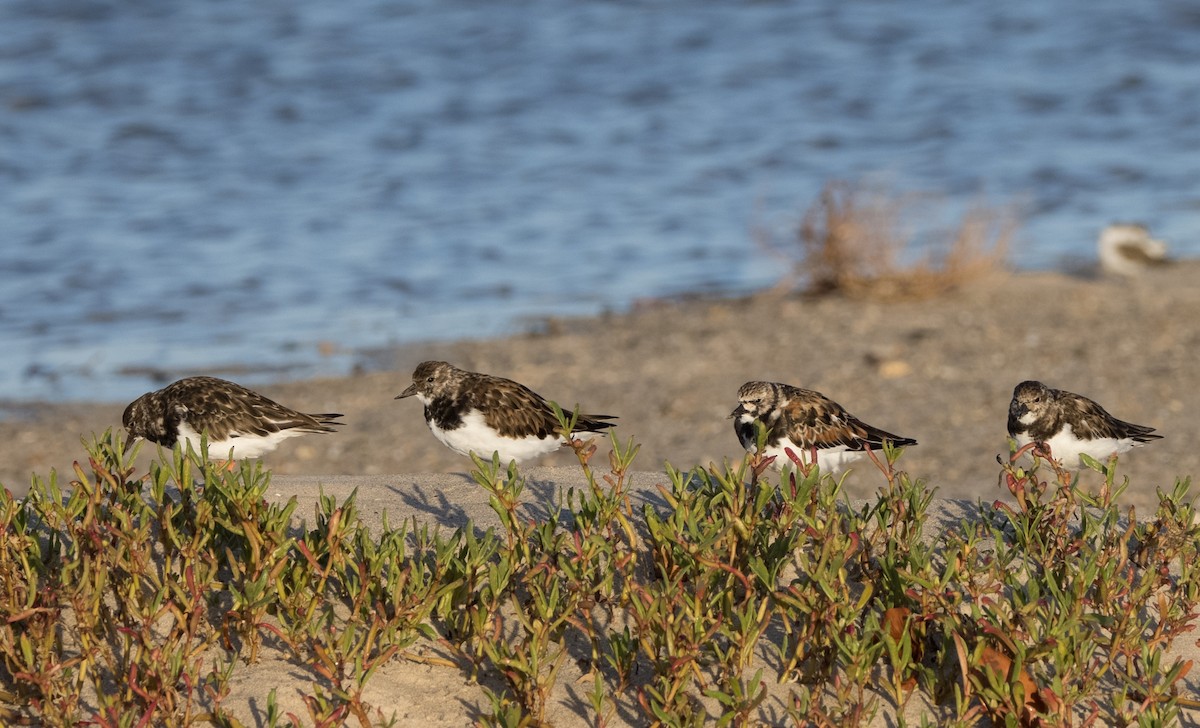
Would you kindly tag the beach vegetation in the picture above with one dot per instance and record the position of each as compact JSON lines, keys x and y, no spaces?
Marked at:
{"x":732,"y":595}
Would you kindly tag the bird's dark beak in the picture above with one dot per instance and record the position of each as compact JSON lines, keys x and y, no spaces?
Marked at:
{"x":1017,"y":409}
{"x":128,"y":444}
{"x":741,"y":410}
{"x":410,"y":391}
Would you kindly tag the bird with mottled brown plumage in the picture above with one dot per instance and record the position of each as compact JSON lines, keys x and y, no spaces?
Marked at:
{"x":484,"y":414}
{"x":805,"y":422}
{"x":232,"y":416}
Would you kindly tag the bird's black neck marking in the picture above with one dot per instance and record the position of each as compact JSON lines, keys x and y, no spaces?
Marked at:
{"x":166,"y":439}
{"x":745,"y":432}
{"x":165,"y":431}
{"x":1040,"y":430}
{"x":1045,"y":428}
{"x":1015,"y":426}
{"x":748,"y":434}
{"x":445,"y":412}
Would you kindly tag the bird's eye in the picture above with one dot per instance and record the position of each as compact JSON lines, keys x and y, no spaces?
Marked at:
{"x":430,"y":380}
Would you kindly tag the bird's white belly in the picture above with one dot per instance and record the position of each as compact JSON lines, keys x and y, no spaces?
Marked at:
{"x":475,"y":436}
{"x":832,"y":460}
{"x":245,"y":447}
{"x":1066,"y":447}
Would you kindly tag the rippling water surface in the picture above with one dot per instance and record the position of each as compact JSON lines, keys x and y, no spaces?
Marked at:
{"x":281,"y":185}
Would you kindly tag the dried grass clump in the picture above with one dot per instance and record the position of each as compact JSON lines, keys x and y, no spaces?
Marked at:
{"x":865,"y":242}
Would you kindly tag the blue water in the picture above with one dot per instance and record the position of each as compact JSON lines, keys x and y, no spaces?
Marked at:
{"x":272,"y":188}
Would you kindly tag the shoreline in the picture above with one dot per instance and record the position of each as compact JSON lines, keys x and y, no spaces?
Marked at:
{"x":939,"y":370}
{"x":372,"y":359}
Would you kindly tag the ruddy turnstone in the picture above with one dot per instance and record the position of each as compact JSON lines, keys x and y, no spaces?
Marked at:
{"x":231,"y":415}
{"x":803,"y":420}
{"x":1127,"y":249}
{"x":1070,"y":424}
{"x":472,"y":412}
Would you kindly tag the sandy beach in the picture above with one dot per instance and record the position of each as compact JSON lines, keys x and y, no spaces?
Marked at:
{"x":940,"y":371}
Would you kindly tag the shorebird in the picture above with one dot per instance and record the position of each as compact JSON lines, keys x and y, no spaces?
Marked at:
{"x":1070,"y":425}
{"x":1127,"y":249}
{"x":480,"y":413}
{"x":231,"y":415}
{"x":805,"y":421}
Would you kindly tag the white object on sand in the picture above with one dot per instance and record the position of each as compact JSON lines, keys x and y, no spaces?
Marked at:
{"x":1127,"y":249}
